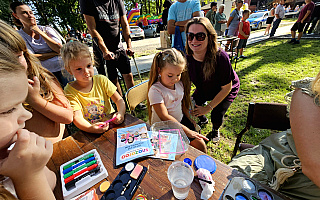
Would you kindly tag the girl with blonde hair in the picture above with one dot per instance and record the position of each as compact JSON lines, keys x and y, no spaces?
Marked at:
{"x":23,"y":171}
{"x":169,"y":94}
{"x":211,"y":72}
{"x":50,"y":108}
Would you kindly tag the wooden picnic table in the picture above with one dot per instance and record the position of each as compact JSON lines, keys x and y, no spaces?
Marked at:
{"x":155,"y":184}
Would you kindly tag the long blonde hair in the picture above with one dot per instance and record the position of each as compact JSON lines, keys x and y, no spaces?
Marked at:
{"x":209,"y":62}
{"x":16,"y":44}
{"x":175,"y":58}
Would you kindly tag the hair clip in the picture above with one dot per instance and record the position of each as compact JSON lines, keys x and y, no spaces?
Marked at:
{"x":165,"y":57}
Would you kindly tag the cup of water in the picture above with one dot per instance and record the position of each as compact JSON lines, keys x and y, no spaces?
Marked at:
{"x":180,"y":175}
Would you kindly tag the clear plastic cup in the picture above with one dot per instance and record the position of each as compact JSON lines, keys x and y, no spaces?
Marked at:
{"x":180,"y":175}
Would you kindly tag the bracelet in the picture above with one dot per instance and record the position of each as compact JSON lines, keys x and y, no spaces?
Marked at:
{"x":210,"y":106}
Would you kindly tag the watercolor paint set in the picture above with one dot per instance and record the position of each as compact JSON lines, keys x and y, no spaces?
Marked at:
{"x":81,"y":173}
{"x":240,"y":188}
{"x":126,"y":183}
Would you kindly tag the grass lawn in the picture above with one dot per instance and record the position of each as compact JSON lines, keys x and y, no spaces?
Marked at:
{"x":265,"y":76}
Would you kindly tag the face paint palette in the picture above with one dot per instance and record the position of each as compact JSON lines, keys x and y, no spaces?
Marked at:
{"x":126,"y":183}
{"x":81,"y":173}
{"x":240,"y":188}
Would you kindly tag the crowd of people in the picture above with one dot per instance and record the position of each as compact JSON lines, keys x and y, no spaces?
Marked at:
{"x":35,"y":107}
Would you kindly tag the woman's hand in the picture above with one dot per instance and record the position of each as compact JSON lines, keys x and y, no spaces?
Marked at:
{"x":119,"y":118}
{"x":35,"y":29}
{"x":193,"y":134}
{"x":33,"y":89}
{"x":28,"y":157}
{"x":200,"y":110}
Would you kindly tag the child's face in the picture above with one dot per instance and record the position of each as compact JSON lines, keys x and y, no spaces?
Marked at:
{"x":246,"y":16}
{"x":82,"y":69}
{"x":170,"y":74}
{"x":13,"y":91}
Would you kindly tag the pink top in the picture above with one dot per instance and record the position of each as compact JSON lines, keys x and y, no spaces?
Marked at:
{"x":172,"y":99}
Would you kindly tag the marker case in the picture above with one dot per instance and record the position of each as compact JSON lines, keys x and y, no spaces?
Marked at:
{"x":240,"y":188}
{"x":84,"y":180}
{"x":120,"y":182}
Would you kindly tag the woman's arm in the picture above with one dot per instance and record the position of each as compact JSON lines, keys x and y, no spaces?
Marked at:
{"x":121,"y":107}
{"x":84,"y":125}
{"x":305,"y":126}
{"x":55,"y":46}
{"x":229,"y":21}
{"x":272,"y":12}
{"x":46,"y":56}
{"x":163,"y":114}
{"x":53,"y":110}
{"x":225,"y":90}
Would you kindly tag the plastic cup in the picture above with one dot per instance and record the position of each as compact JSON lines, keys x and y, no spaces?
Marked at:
{"x":180,"y":175}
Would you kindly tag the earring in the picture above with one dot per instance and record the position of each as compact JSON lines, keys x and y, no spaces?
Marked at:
{"x":159,"y":76}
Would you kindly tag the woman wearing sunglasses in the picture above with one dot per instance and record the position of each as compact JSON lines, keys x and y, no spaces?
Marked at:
{"x":211,"y":72}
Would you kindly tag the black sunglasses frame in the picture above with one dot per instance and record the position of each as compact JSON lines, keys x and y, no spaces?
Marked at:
{"x":201,"y":36}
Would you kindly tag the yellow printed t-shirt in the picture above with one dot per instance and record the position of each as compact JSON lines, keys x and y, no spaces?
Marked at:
{"x":95,"y":105}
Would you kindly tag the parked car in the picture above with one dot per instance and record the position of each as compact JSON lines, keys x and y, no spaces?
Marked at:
{"x":151,"y":30}
{"x":136,"y":32}
{"x":258,"y":20}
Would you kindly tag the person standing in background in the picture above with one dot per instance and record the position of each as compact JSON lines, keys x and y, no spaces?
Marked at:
{"x":166,"y":6}
{"x":220,"y":18}
{"x":212,"y":13}
{"x":279,"y":13}
{"x":304,"y":17}
{"x":103,"y":18}
{"x":180,"y":13}
{"x":270,"y":18}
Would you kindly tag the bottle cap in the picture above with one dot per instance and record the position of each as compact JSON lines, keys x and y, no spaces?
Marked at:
{"x":188,"y":161}
{"x":205,"y":162}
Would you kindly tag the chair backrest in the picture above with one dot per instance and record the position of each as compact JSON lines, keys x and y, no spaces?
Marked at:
{"x":269,"y":116}
{"x":264,"y":116}
{"x":137,"y":94}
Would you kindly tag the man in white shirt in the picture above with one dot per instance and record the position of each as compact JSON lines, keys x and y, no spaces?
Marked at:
{"x":279,"y":15}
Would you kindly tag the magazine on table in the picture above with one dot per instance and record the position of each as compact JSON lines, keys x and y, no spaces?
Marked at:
{"x":133,"y":142}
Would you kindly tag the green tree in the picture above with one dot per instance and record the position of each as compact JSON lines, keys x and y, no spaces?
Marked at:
{"x":5,"y":13}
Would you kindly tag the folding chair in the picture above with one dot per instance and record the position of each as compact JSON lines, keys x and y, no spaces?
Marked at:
{"x":264,"y":116}
{"x":136,"y":95}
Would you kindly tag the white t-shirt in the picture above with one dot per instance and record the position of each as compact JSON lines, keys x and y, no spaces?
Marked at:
{"x":280,"y":11}
{"x":39,"y":46}
{"x":172,"y":99}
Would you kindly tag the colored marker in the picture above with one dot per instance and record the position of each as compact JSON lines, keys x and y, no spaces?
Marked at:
{"x":110,"y":120}
{"x":72,"y":177}
{"x":78,"y":164}
{"x":73,"y":182}
{"x":83,"y":158}
{"x":79,"y":168}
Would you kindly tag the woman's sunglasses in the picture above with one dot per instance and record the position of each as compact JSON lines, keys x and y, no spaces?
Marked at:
{"x":199,"y":36}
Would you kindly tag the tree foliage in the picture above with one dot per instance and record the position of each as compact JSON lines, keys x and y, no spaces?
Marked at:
{"x":62,"y":14}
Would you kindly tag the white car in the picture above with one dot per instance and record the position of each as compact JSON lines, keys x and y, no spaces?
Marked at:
{"x":136,"y":32}
{"x":258,"y":20}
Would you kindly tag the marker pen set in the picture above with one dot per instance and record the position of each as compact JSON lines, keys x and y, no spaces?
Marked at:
{"x":126,"y":183}
{"x":81,"y":173}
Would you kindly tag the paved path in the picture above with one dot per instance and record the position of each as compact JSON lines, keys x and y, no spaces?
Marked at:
{"x":144,"y":62}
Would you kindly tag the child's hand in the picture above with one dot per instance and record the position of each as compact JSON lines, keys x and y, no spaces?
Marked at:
{"x":99,"y":127}
{"x":28,"y":157}
{"x":193,"y":134}
{"x":119,"y":118}
{"x":33,"y":89}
